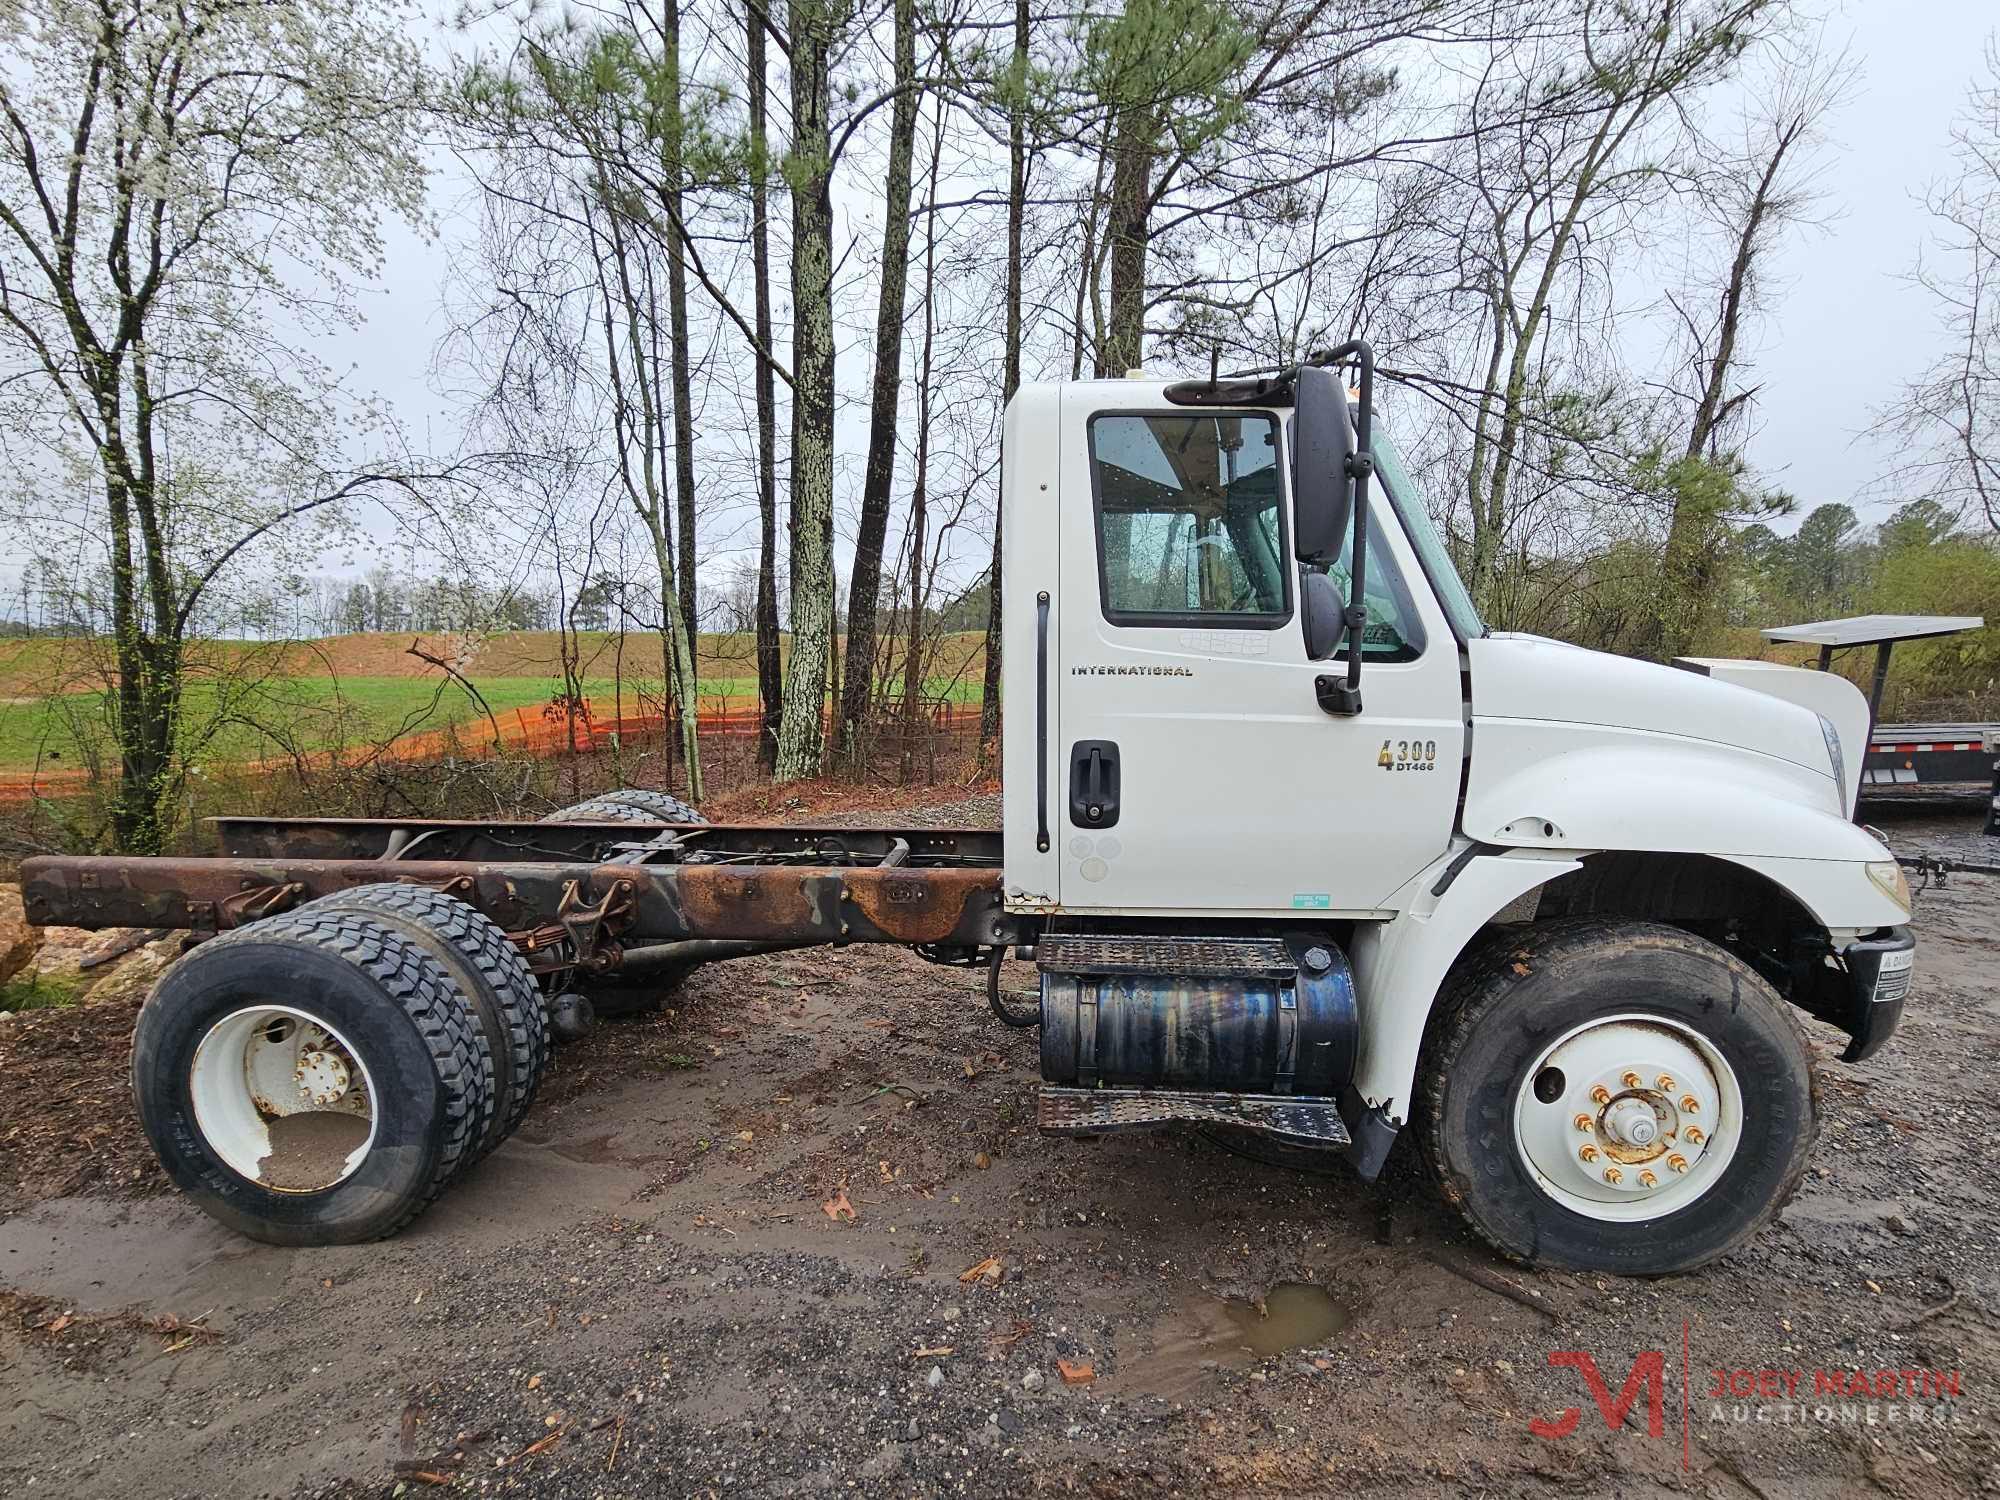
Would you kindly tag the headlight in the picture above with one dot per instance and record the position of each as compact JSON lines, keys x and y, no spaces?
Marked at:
{"x":1834,"y":755}
{"x":1890,"y":880}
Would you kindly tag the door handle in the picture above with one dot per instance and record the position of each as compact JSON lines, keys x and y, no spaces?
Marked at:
{"x":1093,"y":784}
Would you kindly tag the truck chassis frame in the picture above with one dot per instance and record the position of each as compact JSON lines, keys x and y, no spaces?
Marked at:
{"x":590,"y":897}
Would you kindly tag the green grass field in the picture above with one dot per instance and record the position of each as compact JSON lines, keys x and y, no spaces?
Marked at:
{"x":284,"y":713}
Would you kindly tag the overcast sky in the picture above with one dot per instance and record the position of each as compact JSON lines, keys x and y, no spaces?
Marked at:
{"x":1843,"y":331}
{"x":1846,"y":328}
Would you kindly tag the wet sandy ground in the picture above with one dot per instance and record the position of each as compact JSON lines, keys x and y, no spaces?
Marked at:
{"x":644,"y":1293}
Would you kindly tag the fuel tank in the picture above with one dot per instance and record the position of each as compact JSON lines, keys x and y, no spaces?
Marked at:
{"x":1219,"y":1014}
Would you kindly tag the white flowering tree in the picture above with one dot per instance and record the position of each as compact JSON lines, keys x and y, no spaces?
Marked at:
{"x":189,"y":192}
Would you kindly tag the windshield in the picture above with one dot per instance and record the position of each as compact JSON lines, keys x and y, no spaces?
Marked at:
{"x":1450,"y":588}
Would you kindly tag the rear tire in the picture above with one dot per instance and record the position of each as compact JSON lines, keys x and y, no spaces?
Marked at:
{"x":1529,"y":1116}
{"x":488,"y":968}
{"x":327,"y":1029}
{"x":600,"y":810}
{"x":613,"y":998}
{"x":664,"y":806}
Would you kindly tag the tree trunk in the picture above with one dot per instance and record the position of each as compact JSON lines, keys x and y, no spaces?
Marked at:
{"x":801,"y":733}
{"x":879,"y":476}
{"x":914,"y":654}
{"x":677,"y":325}
{"x":1127,"y":233}
{"x":770,"y":679}
{"x":1017,"y":198}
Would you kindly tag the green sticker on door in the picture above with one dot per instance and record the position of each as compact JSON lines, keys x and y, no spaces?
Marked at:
{"x":1311,"y":901}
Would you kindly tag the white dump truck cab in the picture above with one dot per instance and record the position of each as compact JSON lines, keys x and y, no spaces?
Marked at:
{"x":1320,"y":866}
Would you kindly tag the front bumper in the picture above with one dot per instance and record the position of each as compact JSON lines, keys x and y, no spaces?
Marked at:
{"x":1869,"y":1004}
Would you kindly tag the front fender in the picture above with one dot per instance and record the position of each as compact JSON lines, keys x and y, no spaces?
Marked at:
{"x":1400,"y":965}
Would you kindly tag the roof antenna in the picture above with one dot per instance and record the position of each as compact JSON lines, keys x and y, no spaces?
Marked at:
{"x":1214,"y":363}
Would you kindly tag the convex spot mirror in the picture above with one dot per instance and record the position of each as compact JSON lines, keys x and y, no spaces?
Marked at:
{"x":1323,"y":612}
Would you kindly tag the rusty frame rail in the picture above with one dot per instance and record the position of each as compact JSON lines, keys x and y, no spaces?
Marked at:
{"x":546,"y":901}
{"x":511,"y":842}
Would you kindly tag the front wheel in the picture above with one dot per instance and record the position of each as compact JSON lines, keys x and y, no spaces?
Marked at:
{"x":1614,"y":1096}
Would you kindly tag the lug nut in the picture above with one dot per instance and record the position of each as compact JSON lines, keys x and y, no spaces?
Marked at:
{"x":1647,"y":1179}
{"x":1588,"y":1153}
{"x":1694,"y":1135}
{"x":1585,"y":1124}
{"x":1613,"y":1176}
{"x":1600,"y":1095}
{"x":1678,"y":1162}
{"x":1666,"y":1083}
{"x":1690,"y":1105}
{"x":1631,"y":1080}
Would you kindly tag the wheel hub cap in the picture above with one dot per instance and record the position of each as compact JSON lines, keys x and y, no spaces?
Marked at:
{"x":1628,"y":1117}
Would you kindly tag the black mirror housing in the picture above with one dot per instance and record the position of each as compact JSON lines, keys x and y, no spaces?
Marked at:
{"x":1323,"y":613}
{"x":1331,"y":466}
{"x":1322,"y":482}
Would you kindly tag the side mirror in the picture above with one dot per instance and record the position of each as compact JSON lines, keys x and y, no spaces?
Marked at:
{"x":1322,"y":487}
{"x":1322,"y":609}
{"x":1330,"y":470}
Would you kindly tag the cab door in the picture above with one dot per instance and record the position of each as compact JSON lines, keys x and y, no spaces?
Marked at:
{"x":1194,"y":770}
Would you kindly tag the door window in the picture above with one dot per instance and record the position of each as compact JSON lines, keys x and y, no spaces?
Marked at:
{"x":1190,"y":520}
{"x":1395,"y":631}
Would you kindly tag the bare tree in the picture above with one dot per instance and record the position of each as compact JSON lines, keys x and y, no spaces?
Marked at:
{"x":1753,"y":196}
{"x":770,"y":679}
{"x":1570,"y":165}
{"x":1017,"y":199}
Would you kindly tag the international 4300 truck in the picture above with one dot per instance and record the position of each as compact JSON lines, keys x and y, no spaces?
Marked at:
{"x":1299,"y":846}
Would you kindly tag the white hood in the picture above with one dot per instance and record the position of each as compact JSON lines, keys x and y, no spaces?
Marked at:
{"x":1531,"y":677}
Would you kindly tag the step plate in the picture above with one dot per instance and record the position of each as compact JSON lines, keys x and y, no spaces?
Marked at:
{"x":1208,"y":958}
{"x":1306,"y":1119}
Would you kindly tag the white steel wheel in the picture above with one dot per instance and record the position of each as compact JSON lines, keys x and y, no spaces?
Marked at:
{"x":282,"y":1098}
{"x":1628,"y":1117}
{"x":1607,"y":1095}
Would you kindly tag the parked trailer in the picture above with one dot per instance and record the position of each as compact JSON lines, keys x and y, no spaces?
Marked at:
{"x":1907,"y":762}
{"x":1300,"y":848}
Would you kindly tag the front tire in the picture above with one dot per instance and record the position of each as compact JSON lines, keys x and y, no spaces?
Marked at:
{"x":1614,"y":1096}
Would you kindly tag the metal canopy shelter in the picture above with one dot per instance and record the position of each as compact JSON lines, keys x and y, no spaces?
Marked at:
{"x":1880,"y":631}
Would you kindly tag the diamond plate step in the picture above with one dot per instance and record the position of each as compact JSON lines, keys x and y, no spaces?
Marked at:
{"x":1304,"y":1119}
{"x":1207,"y":958}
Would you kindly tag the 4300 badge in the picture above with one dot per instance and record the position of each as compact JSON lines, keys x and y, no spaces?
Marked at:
{"x":1408,"y":755}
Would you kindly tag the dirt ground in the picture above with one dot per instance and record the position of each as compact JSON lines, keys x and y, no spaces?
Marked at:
{"x":736,"y":1249}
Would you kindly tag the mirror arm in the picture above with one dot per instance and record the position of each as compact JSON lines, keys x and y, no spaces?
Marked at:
{"x":1360,"y":466}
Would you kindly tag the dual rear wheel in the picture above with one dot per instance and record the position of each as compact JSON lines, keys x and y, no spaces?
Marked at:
{"x":321,"y":1076}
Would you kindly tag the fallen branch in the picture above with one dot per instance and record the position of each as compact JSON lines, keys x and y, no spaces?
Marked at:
{"x":1499,"y":1286}
{"x":1928,"y":1313}
{"x":131,"y":942}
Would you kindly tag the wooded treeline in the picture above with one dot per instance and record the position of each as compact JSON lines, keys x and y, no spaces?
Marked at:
{"x":737,"y":292}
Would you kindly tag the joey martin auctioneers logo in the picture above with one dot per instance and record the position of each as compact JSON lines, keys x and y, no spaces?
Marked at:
{"x":1927,"y":1400}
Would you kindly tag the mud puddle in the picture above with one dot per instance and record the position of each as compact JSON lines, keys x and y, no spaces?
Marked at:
{"x":1207,"y":1334}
